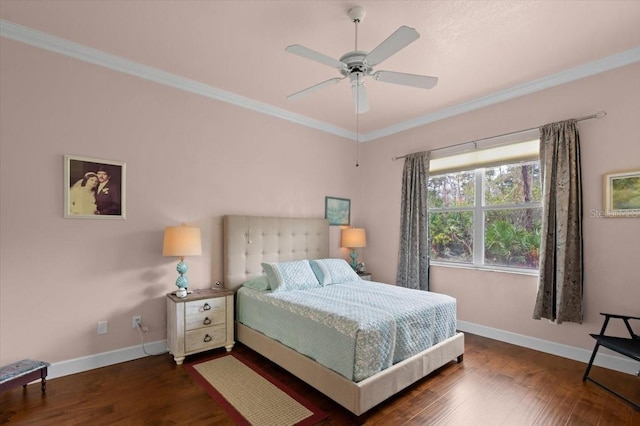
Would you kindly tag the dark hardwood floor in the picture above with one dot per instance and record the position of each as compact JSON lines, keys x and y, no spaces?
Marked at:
{"x":496,"y":384}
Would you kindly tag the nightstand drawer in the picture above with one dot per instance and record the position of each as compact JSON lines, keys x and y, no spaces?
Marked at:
{"x":205,"y":319}
{"x":205,"y":337}
{"x":203,"y":306}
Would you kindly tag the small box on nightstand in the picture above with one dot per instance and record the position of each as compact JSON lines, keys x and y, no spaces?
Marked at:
{"x":365,"y":275}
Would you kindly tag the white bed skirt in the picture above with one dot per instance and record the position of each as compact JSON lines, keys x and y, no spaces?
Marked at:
{"x":366,"y":394}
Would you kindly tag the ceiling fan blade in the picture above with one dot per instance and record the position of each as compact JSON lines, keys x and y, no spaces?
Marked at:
{"x":315,"y":87}
{"x":296,"y":49}
{"x":413,"y":80}
{"x":360,"y":98}
{"x":401,"y":38}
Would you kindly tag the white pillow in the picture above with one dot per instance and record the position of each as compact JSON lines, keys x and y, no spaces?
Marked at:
{"x":333,"y":271}
{"x":285,"y":276}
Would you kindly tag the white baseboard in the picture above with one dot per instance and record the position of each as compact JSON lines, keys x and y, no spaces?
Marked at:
{"x":611,"y":362}
{"x":78,"y":365}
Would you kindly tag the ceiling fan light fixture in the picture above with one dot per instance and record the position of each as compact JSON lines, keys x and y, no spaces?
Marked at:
{"x":360,"y":98}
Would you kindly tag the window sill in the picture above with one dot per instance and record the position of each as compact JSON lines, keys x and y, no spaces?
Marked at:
{"x":529,"y":272}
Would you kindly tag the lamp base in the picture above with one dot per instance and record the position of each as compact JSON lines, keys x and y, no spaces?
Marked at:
{"x":354,"y":257}
{"x":181,"y":292}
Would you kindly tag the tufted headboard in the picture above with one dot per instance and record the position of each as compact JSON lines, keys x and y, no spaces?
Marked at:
{"x":251,"y":240}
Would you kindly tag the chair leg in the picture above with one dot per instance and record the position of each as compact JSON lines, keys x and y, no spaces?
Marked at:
{"x":619,"y":395}
{"x":586,"y":377}
{"x":593,"y":357}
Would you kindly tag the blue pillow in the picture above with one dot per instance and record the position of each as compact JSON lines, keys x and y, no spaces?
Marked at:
{"x":259,"y":283}
{"x":286,"y":276}
{"x":333,"y":271}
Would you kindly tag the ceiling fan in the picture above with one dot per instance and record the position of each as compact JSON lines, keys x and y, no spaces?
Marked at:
{"x":358,"y":64}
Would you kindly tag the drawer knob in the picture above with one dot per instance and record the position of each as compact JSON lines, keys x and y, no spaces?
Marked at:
{"x":206,"y":321}
{"x":206,"y":307}
{"x":207,"y":338}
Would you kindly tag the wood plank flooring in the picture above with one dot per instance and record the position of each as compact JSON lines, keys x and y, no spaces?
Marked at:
{"x":496,"y":384}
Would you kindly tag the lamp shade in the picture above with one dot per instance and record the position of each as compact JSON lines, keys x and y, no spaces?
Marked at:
{"x":353,"y":238}
{"x":181,"y":241}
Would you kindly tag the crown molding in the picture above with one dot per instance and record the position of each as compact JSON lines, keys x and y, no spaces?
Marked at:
{"x":87,"y":54}
{"x":84,"y":53}
{"x":605,"y":64}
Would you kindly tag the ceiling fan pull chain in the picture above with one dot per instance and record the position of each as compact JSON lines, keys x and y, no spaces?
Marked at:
{"x":357,"y":115}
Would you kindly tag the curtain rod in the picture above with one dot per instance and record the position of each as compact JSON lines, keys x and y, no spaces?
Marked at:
{"x":598,"y":115}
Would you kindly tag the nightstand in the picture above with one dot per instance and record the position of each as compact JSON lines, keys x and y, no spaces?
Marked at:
{"x":365,"y":275}
{"x":199,"y":322}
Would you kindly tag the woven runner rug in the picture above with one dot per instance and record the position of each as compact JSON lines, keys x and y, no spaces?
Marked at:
{"x":250,"y":396}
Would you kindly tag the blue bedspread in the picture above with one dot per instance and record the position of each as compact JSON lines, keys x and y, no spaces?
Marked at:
{"x":357,"y":328}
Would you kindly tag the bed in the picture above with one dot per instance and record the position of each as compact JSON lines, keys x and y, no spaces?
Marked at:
{"x":250,"y":241}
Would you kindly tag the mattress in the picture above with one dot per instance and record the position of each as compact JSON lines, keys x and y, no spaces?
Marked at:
{"x":356,"y":328}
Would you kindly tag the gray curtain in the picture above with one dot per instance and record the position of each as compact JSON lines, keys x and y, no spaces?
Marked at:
{"x":560,"y":283}
{"x":413,"y":254}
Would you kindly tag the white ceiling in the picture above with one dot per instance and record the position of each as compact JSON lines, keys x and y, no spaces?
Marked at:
{"x":482,"y":51}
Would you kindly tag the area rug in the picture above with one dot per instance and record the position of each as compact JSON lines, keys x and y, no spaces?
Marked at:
{"x":250,"y":396}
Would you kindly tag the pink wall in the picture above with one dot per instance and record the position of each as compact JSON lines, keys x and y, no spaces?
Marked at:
{"x":612,"y":246}
{"x":192,"y":159}
{"x":188,"y":159}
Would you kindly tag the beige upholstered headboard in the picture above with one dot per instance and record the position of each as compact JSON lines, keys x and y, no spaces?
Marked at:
{"x":251,"y":240}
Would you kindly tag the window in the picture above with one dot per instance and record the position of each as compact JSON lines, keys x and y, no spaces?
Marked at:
{"x":495,"y":201}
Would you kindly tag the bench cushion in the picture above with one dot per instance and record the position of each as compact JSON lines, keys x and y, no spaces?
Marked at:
{"x":20,"y":368}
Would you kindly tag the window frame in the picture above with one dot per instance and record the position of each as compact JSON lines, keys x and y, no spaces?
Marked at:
{"x":479,"y":210}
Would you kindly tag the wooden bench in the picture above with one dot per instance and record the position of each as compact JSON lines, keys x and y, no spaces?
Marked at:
{"x":22,"y":373}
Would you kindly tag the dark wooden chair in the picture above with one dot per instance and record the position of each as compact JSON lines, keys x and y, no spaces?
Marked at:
{"x":627,"y":346}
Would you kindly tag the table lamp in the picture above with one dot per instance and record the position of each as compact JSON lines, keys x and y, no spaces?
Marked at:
{"x":182,"y":241}
{"x":353,"y":238}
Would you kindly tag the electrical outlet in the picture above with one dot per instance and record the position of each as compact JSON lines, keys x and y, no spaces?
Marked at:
{"x":103,"y":327}
{"x":136,"y":320}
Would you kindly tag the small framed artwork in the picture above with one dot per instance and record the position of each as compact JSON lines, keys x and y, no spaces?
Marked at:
{"x":622,"y":194}
{"x":337,"y":210}
{"x":94,"y":188}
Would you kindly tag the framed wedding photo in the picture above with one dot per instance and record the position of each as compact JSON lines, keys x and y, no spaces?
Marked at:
{"x":337,"y":210}
{"x":622,"y":194}
{"x":94,"y":188}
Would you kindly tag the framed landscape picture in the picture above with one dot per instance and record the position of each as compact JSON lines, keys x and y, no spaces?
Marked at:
{"x":622,"y":194}
{"x":337,"y":210}
{"x":94,"y":188}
